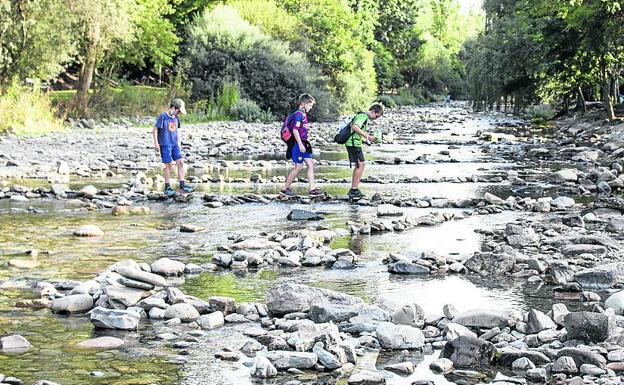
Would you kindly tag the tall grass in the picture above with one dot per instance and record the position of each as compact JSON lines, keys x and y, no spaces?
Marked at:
{"x":27,"y":111}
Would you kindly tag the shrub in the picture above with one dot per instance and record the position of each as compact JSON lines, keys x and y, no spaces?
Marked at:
{"x":387,"y":101}
{"x":409,"y":97}
{"x":224,"y":46}
{"x":125,"y":99}
{"x":250,"y":112}
{"x":539,"y":112}
{"x":27,"y":112}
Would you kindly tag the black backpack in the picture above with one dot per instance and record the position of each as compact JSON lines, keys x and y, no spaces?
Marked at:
{"x":344,"y":132}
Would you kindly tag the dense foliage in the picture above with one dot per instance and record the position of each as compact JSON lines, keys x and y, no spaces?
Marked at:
{"x":345,"y":52}
{"x":556,"y":52}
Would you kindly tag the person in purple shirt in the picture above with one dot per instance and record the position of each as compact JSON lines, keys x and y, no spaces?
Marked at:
{"x":299,"y":148}
{"x":167,"y":144}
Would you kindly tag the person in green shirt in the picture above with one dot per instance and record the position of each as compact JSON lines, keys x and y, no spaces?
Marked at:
{"x":359,"y":133}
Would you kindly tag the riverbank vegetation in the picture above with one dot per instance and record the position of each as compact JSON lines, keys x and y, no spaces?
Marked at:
{"x":103,"y":57}
{"x":561,"y":52}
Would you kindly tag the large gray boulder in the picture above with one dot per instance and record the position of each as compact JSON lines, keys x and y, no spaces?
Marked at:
{"x":454,"y":331}
{"x":468,"y":352}
{"x":490,"y":263}
{"x":507,"y":356}
{"x":114,"y":319}
{"x":366,"y":377}
{"x":482,"y":318}
{"x":601,"y":277}
{"x":303,"y":215}
{"x":307,"y":335}
{"x":326,"y":312}
{"x":211,"y":321}
{"x":538,"y":321}
{"x":183,"y":311}
{"x":582,"y":355}
{"x":79,"y":303}
{"x":409,"y":314}
{"x":616,"y":302}
{"x":166,"y":266}
{"x":284,"y":360}
{"x":589,"y":327}
{"x":14,"y":343}
{"x":519,"y":235}
{"x":291,"y":297}
{"x":565,"y":365}
{"x":408,"y":268}
{"x":101,"y":343}
{"x":88,"y":231}
{"x":263,"y":368}
{"x":141,"y":275}
{"x":565,"y":175}
{"x":122,"y":297}
{"x":326,"y":358}
{"x":393,"y":336}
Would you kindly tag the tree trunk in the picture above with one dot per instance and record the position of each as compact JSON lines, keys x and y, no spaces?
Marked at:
{"x":580,"y":101}
{"x":86,"y":77}
{"x":607,"y":100}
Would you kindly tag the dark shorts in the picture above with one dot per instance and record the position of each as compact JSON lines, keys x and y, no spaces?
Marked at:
{"x":170,"y":154}
{"x":356,"y":155}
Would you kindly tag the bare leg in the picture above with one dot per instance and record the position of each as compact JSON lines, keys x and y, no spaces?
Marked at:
{"x":310,"y":164}
{"x":357,"y":174}
{"x":167,"y":172}
{"x":293,"y":174}
{"x":180,"y":164}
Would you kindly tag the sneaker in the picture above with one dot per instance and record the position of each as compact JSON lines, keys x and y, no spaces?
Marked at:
{"x":356,"y":193}
{"x":288,"y":192}
{"x":316,"y":192}
{"x":187,"y":189}
{"x":169,"y":191}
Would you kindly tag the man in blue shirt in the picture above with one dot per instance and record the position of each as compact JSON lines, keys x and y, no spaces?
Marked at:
{"x":167,"y":144}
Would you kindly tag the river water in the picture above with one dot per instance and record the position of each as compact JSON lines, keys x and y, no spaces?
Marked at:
{"x":145,"y":359}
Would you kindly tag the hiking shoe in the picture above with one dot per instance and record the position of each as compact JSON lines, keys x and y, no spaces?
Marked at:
{"x":169,"y":191}
{"x":315,"y":192}
{"x":187,"y":189}
{"x":288,"y":192}
{"x":356,"y":193}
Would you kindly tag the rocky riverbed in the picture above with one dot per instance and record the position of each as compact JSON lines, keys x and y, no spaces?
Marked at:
{"x":488,"y":251}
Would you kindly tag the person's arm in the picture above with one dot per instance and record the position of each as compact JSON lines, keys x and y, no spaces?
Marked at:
{"x":155,"y":137}
{"x":298,"y":140}
{"x":157,"y":126}
{"x":179,"y":134}
{"x":363,"y":134}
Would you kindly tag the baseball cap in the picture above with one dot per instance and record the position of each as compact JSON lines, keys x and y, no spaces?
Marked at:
{"x":179,"y":103}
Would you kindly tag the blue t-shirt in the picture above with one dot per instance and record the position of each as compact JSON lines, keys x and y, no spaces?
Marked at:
{"x":167,"y":127}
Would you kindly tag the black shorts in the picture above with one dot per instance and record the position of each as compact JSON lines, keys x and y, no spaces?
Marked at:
{"x":356,"y":155}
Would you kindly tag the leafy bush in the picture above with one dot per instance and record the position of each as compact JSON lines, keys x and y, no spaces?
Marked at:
{"x":206,"y":111}
{"x":539,"y":112}
{"x":224,"y":46}
{"x":409,"y":97}
{"x":27,"y":112}
{"x":250,"y":112}
{"x":126,"y":99}
{"x":387,"y":101}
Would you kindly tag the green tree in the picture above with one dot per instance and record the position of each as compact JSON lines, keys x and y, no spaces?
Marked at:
{"x":223,"y":46}
{"x":101,"y":24}
{"x":33,"y":43}
{"x":330,"y":31}
{"x":155,"y":42}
